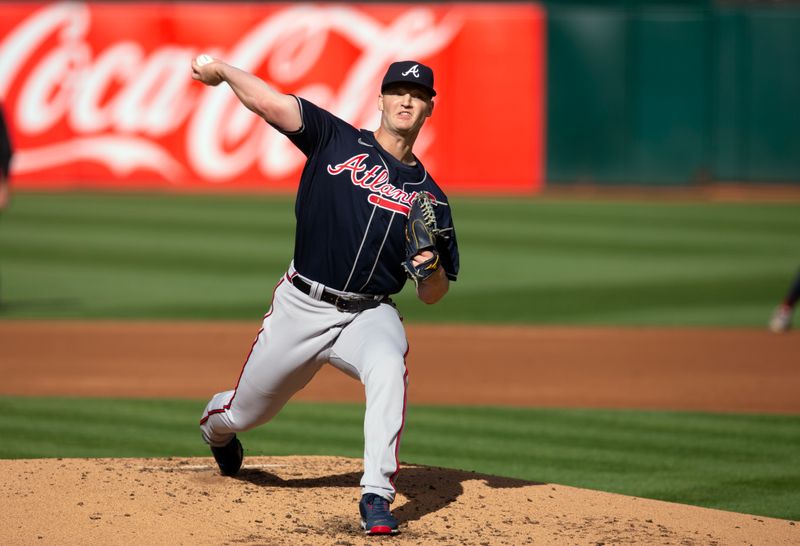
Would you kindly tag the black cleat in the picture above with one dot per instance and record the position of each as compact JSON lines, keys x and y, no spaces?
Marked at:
{"x":229,"y":457}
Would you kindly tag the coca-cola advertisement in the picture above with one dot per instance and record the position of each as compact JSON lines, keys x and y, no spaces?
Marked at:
{"x":100,"y":95}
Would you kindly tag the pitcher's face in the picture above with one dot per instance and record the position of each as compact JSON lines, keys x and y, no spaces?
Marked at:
{"x":404,"y":108}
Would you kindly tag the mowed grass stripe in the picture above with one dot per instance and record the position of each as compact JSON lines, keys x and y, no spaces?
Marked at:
{"x":579,"y":229}
{"x":170,"y":208}
{"x":736,"y":217}
{"x":187,"y":255}
{"x":119,"y":295}
{"x":749,"y":463}
{"x":701,"y":301}
{"x":633,"y":240}
{"x":89,"y":227}
{"x":667,"y":430}
{"x":234,"y":218}
{"x":125,"y":233}
{"x":564,"y":438}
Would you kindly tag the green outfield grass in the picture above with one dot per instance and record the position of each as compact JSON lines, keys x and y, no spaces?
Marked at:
{"x":743,"y":463}
{"x":93,"y":255}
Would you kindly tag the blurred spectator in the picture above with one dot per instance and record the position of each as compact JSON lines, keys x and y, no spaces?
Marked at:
{"x":6,"y":152}
{"x":781,"y":319}
{"x":5,"y":162}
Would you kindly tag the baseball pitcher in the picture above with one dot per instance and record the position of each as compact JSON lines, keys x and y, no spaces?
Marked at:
{"x":369,"y":217}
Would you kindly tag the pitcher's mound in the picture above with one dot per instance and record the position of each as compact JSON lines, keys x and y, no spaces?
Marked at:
{"x":314,"y":500}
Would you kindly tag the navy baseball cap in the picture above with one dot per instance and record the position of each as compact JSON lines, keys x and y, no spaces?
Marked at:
{"x":409,"y":72}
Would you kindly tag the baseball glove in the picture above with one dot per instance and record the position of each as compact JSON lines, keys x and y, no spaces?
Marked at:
{"x":421,"y":233}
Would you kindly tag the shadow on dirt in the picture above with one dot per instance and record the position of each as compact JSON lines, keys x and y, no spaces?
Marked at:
{"x":428,"y":489}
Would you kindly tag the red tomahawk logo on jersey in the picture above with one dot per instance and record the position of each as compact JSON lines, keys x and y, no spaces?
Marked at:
{"x":388,"y":204}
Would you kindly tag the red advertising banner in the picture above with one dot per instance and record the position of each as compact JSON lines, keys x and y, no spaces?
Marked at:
{"x":100,"y":95}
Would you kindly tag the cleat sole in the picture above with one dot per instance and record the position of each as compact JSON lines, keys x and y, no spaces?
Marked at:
{"x":381,"y":530}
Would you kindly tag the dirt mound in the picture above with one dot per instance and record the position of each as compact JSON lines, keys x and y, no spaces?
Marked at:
{"x":313,"y":500}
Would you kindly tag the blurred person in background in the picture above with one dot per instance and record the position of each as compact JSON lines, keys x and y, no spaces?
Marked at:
{"x":6,"y":151}
{"x":781,"y":319}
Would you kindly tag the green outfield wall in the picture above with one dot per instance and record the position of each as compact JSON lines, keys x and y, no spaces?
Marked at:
{"x":673,"y":93}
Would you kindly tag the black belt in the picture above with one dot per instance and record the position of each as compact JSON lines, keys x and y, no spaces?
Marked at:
{"x":347,"y":304}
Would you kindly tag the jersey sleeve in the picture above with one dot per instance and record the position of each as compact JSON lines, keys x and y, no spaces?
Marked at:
{"x":318,"y":127}
{"x":446,"y":243}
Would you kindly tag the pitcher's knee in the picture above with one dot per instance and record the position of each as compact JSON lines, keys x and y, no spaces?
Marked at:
{"x":219,"y":428}
{"x":221,"y":424}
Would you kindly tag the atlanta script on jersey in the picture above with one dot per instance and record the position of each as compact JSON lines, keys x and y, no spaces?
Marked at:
{"x":351,"y":207}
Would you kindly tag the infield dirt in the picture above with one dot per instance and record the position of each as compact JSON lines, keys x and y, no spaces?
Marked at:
{"x":313,"y":500}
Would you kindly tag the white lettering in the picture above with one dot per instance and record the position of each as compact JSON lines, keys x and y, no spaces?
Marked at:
{"x":123,"y":98}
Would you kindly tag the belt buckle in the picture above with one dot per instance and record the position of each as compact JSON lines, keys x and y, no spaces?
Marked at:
{"x":341,"y":304}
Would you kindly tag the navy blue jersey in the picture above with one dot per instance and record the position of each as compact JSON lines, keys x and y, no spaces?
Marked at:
{"x":351,"y":208}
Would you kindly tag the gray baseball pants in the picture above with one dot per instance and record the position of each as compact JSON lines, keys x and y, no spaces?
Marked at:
{"x":299,"y":335}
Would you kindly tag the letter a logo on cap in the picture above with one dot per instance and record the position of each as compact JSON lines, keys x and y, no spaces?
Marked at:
{"x":414,"y":71}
